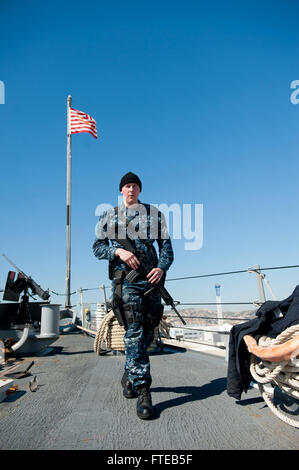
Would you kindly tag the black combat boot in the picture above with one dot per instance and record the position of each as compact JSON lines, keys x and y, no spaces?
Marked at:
{"x":144,"y":403}
{"x":128,"y":391}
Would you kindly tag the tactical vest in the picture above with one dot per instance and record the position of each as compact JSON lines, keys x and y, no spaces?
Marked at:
{"x":149,"y":246}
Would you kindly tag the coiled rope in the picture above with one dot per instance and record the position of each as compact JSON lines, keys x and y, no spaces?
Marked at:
{"x":284,"y":374}
{"x":104,"y":335}
{"x":111,"y":334}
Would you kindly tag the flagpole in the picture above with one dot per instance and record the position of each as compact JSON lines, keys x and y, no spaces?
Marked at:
{"x":68,"y":204}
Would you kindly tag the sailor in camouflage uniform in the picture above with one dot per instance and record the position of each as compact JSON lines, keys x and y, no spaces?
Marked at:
{"x":144,"y":224}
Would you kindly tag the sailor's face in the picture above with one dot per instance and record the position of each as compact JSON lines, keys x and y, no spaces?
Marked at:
{"x":130,"y":193}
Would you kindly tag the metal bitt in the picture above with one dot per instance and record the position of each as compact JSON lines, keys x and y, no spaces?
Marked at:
{"x":49,"y":321}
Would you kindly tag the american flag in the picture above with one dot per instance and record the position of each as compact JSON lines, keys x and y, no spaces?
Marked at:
{"x":82,"y":122}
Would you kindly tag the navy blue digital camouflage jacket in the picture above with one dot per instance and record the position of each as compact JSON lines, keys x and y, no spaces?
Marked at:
{"x":143,"y":222}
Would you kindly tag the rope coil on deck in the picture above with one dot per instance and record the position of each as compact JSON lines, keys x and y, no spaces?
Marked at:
{"x":104,"y":335}
{"x":284,"y":373}
{"x":112,"y":334}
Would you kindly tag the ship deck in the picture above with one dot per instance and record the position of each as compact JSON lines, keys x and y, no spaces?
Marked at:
{"x":79,"y":405}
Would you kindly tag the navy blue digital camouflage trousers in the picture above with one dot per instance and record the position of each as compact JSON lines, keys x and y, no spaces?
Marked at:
{"x":140,"y":333}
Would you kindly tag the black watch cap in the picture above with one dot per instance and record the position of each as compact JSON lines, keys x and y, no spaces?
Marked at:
{"x":130,"y":178}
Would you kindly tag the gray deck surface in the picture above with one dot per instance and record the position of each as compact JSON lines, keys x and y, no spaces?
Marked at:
{"x":79,"y":405}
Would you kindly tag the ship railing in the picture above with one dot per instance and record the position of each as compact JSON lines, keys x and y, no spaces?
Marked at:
{"x":86,"y":308}
{"x":222,"y":343}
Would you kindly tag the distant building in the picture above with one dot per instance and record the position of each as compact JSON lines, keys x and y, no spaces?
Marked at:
{"x":219,"y":305}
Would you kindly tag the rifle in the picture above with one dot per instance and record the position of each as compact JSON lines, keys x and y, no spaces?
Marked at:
{"x":144,"y":268}
{"x":36,"y":289}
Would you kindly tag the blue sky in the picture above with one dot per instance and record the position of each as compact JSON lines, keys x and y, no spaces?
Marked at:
{"x":192,"y":96}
